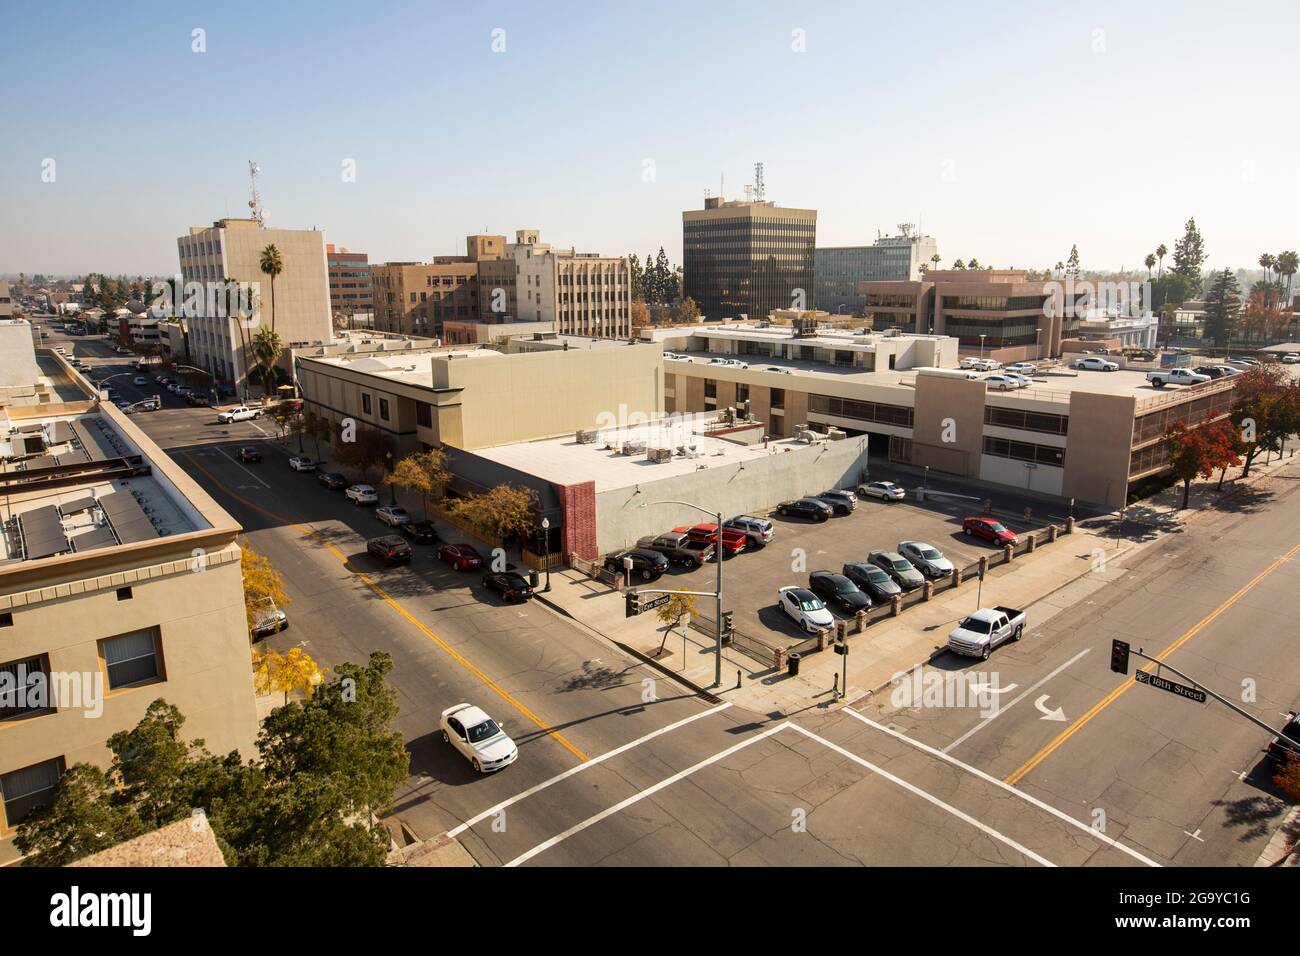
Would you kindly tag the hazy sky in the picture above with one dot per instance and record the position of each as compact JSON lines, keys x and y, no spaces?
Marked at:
{"x":1008,"y":130}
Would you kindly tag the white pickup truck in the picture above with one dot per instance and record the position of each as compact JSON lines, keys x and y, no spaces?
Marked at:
{"x":240,"y":413}
{"x":1175,"y":376}
{"x":978,"y":634}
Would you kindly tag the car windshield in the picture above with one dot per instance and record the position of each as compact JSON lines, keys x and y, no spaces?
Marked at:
{"x":844,"y":585}
{"x":811,"y":604}
{"x":484,"y":731}
{"x":930,"y":554}
{"x":515,"y":580}
{"x":397,"y":511}
{"x":876,"y":576}
{"x":901,"y":564}
{"x":976,"y":625}
{"x":997,"y":526}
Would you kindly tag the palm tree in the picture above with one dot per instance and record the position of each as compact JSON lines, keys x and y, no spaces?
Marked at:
{"x":1150,"y":263}
{"x":1288,"y":263}
{"x":958,"y":264}
{"x":935,"y":259}
{"x":267,"y":349}
{"x":1161,"y":251}
{"x":974,"y":264}
{"x":1060,"y":268}
{"x":272,"y":265}
{"x":1267,"y":262}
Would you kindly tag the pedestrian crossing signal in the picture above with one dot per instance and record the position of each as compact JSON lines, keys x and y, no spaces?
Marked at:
{"x":1119,"y":657}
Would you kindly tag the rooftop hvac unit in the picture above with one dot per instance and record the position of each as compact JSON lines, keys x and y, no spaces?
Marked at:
{"x":659,"y":455}
{"x":586,"y":436}
{"x":633,"y":447}
{"x":837,"y":434}
{"x":808,"y":436}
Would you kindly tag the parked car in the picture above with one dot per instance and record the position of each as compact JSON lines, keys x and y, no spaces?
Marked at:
{"x":884,"y":490}
{"x":302,"y":463}
{"x":759,"y":532}
{"x":926,"y":558}
{"x":361,"y":495}
{"x":197,"y":398}
{"x":1211,"y":371}
{"x":804,"y":608}
{"x":778,"y":368}
{"x":839,"y":591}
{"x":462,"y":557}
{"x":1002,"y":383}
{"x":1022,"y":368}
{"x":240,"y":413}
{"x":1094,"y":363}
{"x":646,"y":564}
{"x":1291,"y":358}
{"x":478,"y":738}
{"x":875,"y":582}
{"x":841,"y":502}
{"x":392,"y":515}
{"x":421,"y":532}
{"x":812,"y":508}
{"x":1277,"y":751}
{"x":510,"y":584}
{"x":978,"y":634}
{"x":1175,"y":376}
{"x":273,"y":622}
{"x":733,"y":542}
{"x":898,"y":568}
{"x":390,"y":549}
{"x":989,"y":529}
{"x":248,"y":455}
{"x":678,"y":547}
{"x":332,"y":480}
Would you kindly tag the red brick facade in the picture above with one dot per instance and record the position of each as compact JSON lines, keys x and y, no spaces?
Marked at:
{"x":579,"y":504}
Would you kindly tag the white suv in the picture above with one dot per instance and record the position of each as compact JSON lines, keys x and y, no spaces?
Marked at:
{"x":240,"y":413}
{"x":361,"y":495}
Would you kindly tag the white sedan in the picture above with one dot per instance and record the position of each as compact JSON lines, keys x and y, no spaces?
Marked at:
{"x":805,"y":608}
{"x":1022,"y":368}
{"x":1003,"y":383}
{"x":884,"y":490}
{"x":392,"y":516}
{"x":302,"y":463}
{"x":1095,"y":363}
{"x":361,"y":495}
{"x":478,"y":737}
{"x":1291,"y":358}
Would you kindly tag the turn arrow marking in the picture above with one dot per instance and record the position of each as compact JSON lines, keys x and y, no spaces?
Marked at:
{"x":1056,"y":714}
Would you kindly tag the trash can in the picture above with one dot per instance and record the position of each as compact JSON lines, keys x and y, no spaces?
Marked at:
{"x":534,"y":579}
{"x":792,"y":663}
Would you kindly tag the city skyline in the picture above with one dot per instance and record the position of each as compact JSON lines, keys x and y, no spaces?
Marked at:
{"x":336,"y":120}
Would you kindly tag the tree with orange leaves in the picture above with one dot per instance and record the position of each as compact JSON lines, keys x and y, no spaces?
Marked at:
{"x":1201,"y":451}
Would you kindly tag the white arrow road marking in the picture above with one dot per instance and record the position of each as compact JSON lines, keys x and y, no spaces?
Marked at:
{"x":984,"y":688}
{"x":1196,"y":836}
{"x":1057,"y":714}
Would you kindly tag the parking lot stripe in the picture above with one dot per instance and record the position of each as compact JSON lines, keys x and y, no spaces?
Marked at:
{"x":381,"y":593}
{"x":493,"y":811}
{"x":1017,"y":699}
{"x":1111,"y":841}
{"x":1114,"y":695}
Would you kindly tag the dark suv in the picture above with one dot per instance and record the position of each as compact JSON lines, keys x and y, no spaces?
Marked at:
{"x":839,"y":592}
{"x":841,"y":502}
{"x":645,"y":564}
{"x":421,"y":532}
{"x":389,"y":548}
{"x":811,"y":508}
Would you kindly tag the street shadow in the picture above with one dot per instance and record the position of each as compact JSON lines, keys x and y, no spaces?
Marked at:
{"x":773,"y":618}
{"x":593,"y":677}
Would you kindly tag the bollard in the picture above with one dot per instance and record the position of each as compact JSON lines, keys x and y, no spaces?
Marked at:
{"x":778,"y":659}
{"x":956,"y":577}
{"x":896,"y":605}
{"x":927,"y":590}
{"x":823,"y":635}
{"x":618,"y":581}
{"x":1052,"y":531}
{"x":1033,"y":543}
{"x":861,"y":618}
{"x":984,"y":564}
{"x":1069,"y":525}
{"x":1006,"y":553}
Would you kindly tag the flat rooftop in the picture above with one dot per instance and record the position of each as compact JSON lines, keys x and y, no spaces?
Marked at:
{"x":860,"y":339}
{"x":568,"y":461}
{"x":411,"y":368}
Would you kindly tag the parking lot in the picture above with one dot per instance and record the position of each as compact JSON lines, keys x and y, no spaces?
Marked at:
{"x":751,"y":579}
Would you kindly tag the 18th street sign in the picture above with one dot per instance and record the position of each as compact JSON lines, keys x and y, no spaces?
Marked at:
{"x":1182,"y":690}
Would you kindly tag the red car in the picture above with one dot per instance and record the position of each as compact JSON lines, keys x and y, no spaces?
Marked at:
{"x":248,"y":455}
{"x":462,"y":557}
{"x":733,"y":540}
{"x":990,"y":529}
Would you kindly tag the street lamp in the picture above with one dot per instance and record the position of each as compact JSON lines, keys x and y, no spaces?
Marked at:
{"x":546,"y":551}
{"x":1038,"y":343}
{"x":717,"y":594}
{"x":982,"y":338}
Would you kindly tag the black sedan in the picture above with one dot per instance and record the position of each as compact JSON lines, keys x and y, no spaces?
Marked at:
{"x":838,"y":592}
{"x":646,"y":564}
{"x":421,"y":532}
{"x":332,"y":480}
{"x":874,"y":581}
{"x":511,"y":585}
{"x":811,"y":508}
{"x":389,"y":548}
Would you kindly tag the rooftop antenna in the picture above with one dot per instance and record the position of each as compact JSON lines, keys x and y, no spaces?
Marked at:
{"x":759,"y":192}
{"x":749,"y":192}
{"x":255,"y":203}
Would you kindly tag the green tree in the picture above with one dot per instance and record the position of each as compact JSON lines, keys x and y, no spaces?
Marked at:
{"x":1161,"y":251}
{"x":1189,"y":256}
{"x":1072,"y":263}
{"x":1265,"y":410}
{"x":267,"y":350}
{"x":272,"y":264}
{"x":360,"y":447}
{"x":1222,"y":307}
{"x":1150,"y":263}
{"x":318,"y":428}
{"x":425,"y":473}
{"x":637,"y":278}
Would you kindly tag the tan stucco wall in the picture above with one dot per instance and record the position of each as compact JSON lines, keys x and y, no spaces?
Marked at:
{"x":937,"y":400}
{"x":1096,"y":466}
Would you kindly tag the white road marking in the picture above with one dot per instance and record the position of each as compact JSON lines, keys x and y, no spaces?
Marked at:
{"x":1002,"y":710}
{"x":243,"y":469}
{"x":583,"y":766}
{"x":1110,"y":841}
{"x":1196,"y":836}
{"x":1041,"y":707}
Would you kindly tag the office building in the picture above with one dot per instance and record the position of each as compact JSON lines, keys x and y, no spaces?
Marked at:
{"x":839,"y":269}
{"x":747,"y":258}
{"x":350,"y":290}
{"x":120,"y":584}
{"x":231,"y":249}
{"x":417,"y":298}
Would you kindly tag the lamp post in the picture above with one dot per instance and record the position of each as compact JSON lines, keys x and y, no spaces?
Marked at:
{"x":717,"y":594}
{"x":392,"y":488}
{"x":982,"y":338}
{"x":546,"y":551}
{"x":1038,"y":343}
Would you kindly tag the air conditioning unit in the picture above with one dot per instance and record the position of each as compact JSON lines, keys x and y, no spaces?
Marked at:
{"x":808,"y":436}
{"x":837,"y":434}
{"x":633,"y":447}
{"x":659,"y":455}
{"x":586,"y":436}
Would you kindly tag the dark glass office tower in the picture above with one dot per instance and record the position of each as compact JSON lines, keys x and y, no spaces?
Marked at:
{"x":748,"y":258}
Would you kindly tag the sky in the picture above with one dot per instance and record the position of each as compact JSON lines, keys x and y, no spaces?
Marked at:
{"x":1009,"y":131}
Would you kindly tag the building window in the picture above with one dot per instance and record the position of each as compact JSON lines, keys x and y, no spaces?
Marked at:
{"x":365,"y":403}
{"x":383,"y":409}
{"x":28,"y":789}
{"x":424,"y":414}
{"x":710,"y":388}
{"x":1024,"y":451}
{"x":124,"y":594}
{"x":25,"y":688}
{"x":131,"y":659}
{"x":778,"y":398}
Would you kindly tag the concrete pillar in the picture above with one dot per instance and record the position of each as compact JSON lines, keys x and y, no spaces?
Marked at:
{"x":927,"y":590}
{"x":984,"y":564}
{"x":896,"y":605}
{"x":1069,"y":525}
{"x":956,"y":577}
{"x":1052,"y":532}
{"x":861,"y":619}
{"x":778,"y":658}
{"x":823,"y":638}
{"x":1006,"y":553}
{"x":1033,"y":543}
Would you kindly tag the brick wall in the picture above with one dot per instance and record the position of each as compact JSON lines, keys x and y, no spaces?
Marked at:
{"x":579,"y":504}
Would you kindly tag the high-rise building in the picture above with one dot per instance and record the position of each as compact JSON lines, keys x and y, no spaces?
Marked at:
{"x":748,"y":258}
{"x":350,"y":291}
{"x":839,"y":269}
{"x":231,"y":249}
{"x":417,"y":298}
{"x":120,"y":584}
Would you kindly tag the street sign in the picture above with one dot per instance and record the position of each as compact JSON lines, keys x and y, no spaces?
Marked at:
{"x":1181,"y":690}
{"x":638,"y":605}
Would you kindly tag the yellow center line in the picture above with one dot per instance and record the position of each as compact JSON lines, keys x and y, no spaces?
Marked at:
{"x":1110,"y":698}
{"x":381,"y":593}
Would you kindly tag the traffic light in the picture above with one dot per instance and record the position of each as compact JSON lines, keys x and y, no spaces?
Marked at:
{"x":632,"y":605}
{"x":726,"y":622}
{"x":1119,"y":657}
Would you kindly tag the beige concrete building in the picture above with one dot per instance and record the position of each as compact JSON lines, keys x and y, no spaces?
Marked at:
{"x":231,"y":249}
{"x":120,"y":583}
{"x":416,"y":298}
{"x":6,"y":302}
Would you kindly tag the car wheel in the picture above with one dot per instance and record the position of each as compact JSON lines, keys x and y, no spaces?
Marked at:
{"x":987,"y":651}
{"x":1016,"y":634}
{"x":646,"y":575}
{"x":967,"y":531}
{"x":445,"y":738}
{"x":478,"y":767}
